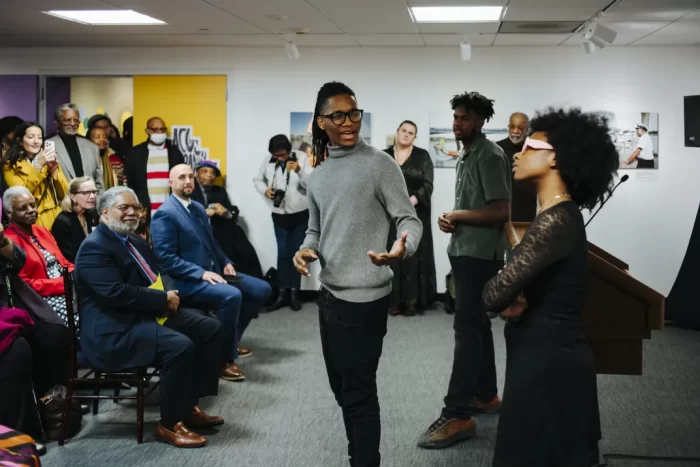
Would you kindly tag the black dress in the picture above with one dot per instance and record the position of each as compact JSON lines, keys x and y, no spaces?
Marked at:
{"x":549,"y":416}
{"x":69,"y":233}
{"x":414,"y":278}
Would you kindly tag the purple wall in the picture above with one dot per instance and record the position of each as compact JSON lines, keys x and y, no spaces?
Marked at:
{"x":57,"y":93}
{"x":18,"y":96}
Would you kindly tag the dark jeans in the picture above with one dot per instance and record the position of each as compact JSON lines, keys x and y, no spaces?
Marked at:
{"x":188,"y":351}
{"x":474,"y":366}
{"x":352,"y":335}
{"x":289,"y":240}
{"x":234,"y":305}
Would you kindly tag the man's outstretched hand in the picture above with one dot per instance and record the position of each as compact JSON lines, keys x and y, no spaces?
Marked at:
{"x":303,"y":258}
{"x":398,"y":251}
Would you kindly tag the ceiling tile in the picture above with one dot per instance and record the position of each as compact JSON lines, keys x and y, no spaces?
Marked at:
{"x":389,"y":40}
{"x":678,"y":33}
{"x":453,"y":40}
{"x":596,"y":4}
{"x":530,"y":39}
{"x":459,"y":28}
{"x":191,"y":15}
{"x":246,"y":40}
{"x":367,"y":16}
{"x":107,"y":40}
{"x":651,"y":10}
{"x":549,"y":14}
{"x":298,"y":14}
{"x":325,"y":40}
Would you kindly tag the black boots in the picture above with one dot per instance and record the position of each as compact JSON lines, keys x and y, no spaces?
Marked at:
{"x":286,"y":297}
{"x":281,"y":302}
{"x":295,"y":303}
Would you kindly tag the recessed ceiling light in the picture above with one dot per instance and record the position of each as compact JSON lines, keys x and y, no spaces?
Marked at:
{"x":456,"y":14}
{"x":105,"y":17}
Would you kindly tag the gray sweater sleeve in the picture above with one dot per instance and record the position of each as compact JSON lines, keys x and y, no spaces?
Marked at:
{"x":313,"y":232}
{"x":393,"y":194}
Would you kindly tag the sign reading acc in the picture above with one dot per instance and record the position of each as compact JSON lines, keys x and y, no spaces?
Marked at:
{"x":190,"y":146}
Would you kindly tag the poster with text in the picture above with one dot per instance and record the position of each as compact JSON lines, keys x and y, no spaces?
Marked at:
{"x":300,"y":128}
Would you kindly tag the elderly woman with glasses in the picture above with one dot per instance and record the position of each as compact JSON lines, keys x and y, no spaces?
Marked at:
{"x":43,"y":269}
{"x":78,"y":218}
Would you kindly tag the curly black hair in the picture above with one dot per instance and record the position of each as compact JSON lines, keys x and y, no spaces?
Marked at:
{"x":586,"y":156}
{"x":481,"y":105}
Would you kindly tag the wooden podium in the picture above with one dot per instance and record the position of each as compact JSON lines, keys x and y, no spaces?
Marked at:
{"x":619,"y":312}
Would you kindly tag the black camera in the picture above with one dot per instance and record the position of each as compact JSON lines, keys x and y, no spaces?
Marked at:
{"x":279,"y":197}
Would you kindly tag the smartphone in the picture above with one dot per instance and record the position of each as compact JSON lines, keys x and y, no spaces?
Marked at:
{"x":231,"y":279}
{"x":49,"y":146}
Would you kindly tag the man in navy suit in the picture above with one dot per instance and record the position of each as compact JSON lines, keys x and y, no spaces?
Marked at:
{"x":189,"y":255}
{"x":116,"y":278}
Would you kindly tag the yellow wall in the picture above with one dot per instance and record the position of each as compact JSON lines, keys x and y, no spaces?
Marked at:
{"x":199,"y":101}
{"x":98,"y":95}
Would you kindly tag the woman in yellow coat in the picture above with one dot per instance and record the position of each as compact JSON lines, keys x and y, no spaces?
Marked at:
{"x":27,"y":163}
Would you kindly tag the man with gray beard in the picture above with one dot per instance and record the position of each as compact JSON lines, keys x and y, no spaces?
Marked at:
{"x":524,"y":203}
{"x":130,"y":321}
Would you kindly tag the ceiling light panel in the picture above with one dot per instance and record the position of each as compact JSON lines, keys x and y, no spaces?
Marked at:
{"x":106,"y":17}
{"x":456,"y":14}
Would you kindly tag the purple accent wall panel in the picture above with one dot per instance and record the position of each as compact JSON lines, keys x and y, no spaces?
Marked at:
{"x":57,"y":93}
{"x":18,"y":96}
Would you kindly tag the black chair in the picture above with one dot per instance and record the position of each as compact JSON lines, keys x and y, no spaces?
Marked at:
{"x":138,"y":377}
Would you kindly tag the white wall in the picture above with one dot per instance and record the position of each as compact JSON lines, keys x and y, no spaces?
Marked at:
{"x":647,"y":224}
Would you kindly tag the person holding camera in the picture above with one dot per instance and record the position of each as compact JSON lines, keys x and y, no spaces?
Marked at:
{"x":282,"y":180}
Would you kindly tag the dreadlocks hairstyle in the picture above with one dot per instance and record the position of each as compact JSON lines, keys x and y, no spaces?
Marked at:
{"x":481,"y":106}
{"x":319,"y":138}
{"x":586,"y":157}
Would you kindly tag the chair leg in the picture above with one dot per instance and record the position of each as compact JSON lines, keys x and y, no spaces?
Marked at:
{"x":96,"y":391}
{"x":139,"y":409}
{"x":66,"y":411}
{"x":116,"y":395}
{"x":38,"y":415}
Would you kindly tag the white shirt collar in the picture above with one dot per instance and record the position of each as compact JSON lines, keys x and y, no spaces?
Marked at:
{"x":185,"y":202}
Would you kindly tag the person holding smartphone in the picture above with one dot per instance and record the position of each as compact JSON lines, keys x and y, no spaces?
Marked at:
{"x":33,"y":163}
{"x":282,"y":180}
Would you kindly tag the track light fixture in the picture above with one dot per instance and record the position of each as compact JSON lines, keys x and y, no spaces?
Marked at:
{"x":465,"y":49}
{"x":596,"y":36}
{"x":292,"y":50}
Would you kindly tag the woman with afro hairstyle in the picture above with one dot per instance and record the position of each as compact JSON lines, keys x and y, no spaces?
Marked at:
{"x":549,"y":416}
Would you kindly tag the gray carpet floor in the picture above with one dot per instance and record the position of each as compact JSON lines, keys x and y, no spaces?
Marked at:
{"x":284,"y":413}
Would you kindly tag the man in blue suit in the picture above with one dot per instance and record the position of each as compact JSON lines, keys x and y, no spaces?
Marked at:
{"x":189,"y":255}
{"x":122,"y":308}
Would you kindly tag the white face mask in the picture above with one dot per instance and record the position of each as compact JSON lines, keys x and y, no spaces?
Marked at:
{"x":158,"y":138}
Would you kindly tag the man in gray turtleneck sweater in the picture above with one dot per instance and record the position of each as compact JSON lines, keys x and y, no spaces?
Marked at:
{"x":354,"y":196}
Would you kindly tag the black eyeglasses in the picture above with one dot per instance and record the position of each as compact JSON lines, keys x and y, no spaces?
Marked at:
{"x":87,"y":193}
{"x":338,"y":118}
{"x":126,"y":208}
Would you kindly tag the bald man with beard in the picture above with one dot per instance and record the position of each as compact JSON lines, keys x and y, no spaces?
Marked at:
{"x":524,"y":202}
{"x":147,"y":165}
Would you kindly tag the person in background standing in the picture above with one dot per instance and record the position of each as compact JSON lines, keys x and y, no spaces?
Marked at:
{"x":282,"y":180}
{"x":306,"y":148}
{"x":115,"y":143}
{"x":477,"y":246}
{"x":355,"y":194}
{"x":112,"y":165}
{"x":148,"y":164}
{"x":414,"y":284}
{"x":644,"y":153}
{"x":7,"y":133}
{"x":77,"y":156}
{"x":524,"y":205}
{"x":27,"y":163}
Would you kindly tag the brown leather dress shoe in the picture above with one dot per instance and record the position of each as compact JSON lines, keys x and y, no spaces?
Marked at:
{"x":200,"y":419}
{"x":231,"y":372}
{"x":244,"y":352}
{"x":180,"y":437}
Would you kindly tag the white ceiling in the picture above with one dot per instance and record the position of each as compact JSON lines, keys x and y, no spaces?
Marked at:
{"x":341,"y":23}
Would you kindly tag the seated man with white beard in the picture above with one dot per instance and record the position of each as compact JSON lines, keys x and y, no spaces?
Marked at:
{"x":129,"y":321}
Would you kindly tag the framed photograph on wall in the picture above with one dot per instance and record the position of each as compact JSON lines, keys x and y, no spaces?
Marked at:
{"x":637,"y":142}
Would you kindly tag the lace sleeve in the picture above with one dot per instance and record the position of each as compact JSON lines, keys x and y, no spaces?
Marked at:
{"x":548,"y":239}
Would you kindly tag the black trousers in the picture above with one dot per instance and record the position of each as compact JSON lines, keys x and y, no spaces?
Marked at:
{"x":474,"y":365}
{"x":40,"y":357}
{"x":645,"y":163}
{"x":188,"y":355}
{"x":352,"y":335}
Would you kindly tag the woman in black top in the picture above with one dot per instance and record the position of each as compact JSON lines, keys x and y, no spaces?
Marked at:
{"x":414,"y":285}
{"x":78,"y":217}
{"x":549,"y":416}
